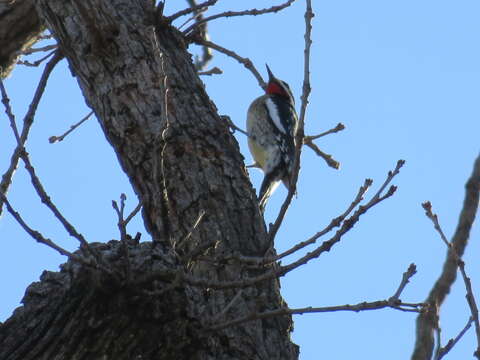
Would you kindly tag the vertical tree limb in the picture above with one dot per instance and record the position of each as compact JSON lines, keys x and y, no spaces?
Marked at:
{"x":428,"y":320}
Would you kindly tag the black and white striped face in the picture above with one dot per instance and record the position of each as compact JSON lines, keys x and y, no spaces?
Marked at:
{"x":279,"y":87}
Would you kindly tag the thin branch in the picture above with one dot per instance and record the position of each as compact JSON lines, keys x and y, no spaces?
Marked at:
{"x":306,"y":89}
{"x":201,"y":32}
{"x":244,"y":61}
{"x":200,"y":7}
{"x":308,"y":140}
{"x":412,"y":270}
{"x":122,"y":227}
{"x":390,"y":176}
{"x":276,"y":272}
{"x":33,"y":233}
{"x":45,"y":198}
{"x":27,"y":123}
{"x":53,"y":139}
{"x":279,"y":271}
{"x":35,"y":50}
{"x":442,"y":351}
{"x":36,"y":181}
{"x":363,"y":306}
{"x":197,"y":222}
{"x":120,"y":210}
{"x":48,"y":202}
{"x":45,"y":37}
{"x":334,"y":223}
{"x":427,"y":321}
{"x":327,"y":157}
{"x":228,"y":14}
{"x":36,"y":62}
{"x":213,"y":71}
{"x":133,"y":213}
{"x":461,"y":266}
{"x":8,"y":111}
{"x":232,"y":125}
{"x":334,"y":130}
{"x":346,"y":226}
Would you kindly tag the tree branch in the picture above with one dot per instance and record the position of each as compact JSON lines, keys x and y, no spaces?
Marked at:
{"x":21,"y":27}
{"x":53,"y":139}
{"x":244,"y":61}
{"x":393,"y":302}
{"x":308,"y":140}
{"x":228,"y":14}
{"x":196,"y":8}
{"x":27,"y":123}
{"x":300,"y":134}
{"x":461,"y":266}
{"x":442,"y":351}
{"x":427,"y":321}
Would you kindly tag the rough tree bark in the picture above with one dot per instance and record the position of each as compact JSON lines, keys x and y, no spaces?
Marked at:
{"x":20,"y":27}
{"x":135,"y":73}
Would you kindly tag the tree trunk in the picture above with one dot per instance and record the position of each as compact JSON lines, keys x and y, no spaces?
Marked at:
{"x":135,"y":73}
{"x":20,"y":27}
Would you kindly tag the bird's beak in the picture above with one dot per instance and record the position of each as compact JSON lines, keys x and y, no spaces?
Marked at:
{"x":270,"y":74}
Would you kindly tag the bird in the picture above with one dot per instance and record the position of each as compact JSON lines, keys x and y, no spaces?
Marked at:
{"x":271,"y":127}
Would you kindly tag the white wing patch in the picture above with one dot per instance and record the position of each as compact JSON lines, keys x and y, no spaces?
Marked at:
{"x":274,"y":115}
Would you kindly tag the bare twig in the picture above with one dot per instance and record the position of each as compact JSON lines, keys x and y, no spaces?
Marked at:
{"x":244,"y":61}
{"x":36,"y":62}
{"x":412,"y":270}
{"x":122,"y":227}
{"x":33,"y":233}
{"x":232,"y":125}
{"x":8,"y":111}
{"x":279,"y":271}
{"x":201,"y":32}
{"x":36,"y":181}
{"x":45,"y":37}
{"x":334,"y":223}
{"x":27,"y":123}
{"x":393,"y":302}
{"x":48,"y":202}
{"x":53,"y":139}
{"x":346,"y":226}
{"x":442,"y":351}
{"x":133,"y":213}
{"x":301,"y":123}
{"x":308,"y":140}
{"x":427,"y":321}
{"x":213,"y":71}
{"x":334,"y":130}
{"x":327,"y":157}
{"x":35,"y":50}
{"x":388,"y":180}
{"x":200,"y":7}
{"x":324,"y":247}
{"x":120,"y":210}
{"x":201,"y":214}
{"x":227,"y":14}
{"x":461,"y":266}
{"x":363,"y":306}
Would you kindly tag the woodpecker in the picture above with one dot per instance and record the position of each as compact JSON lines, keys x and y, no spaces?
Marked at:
{"x":271,"y":126}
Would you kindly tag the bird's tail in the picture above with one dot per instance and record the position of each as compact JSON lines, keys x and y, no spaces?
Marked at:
{"x":269,"y":185}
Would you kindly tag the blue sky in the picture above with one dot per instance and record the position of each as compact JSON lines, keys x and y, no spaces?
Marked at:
{"x":402,"y":76}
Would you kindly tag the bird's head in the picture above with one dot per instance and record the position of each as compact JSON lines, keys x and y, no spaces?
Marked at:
{"x":278,"y":87}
